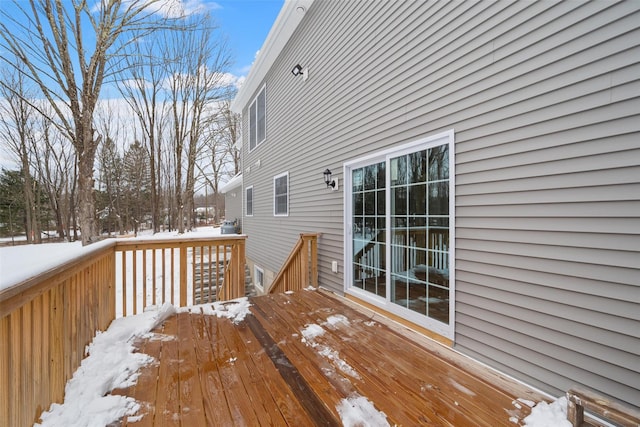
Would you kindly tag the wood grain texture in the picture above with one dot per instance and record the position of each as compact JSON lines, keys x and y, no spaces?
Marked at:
{"x":264,"y":371}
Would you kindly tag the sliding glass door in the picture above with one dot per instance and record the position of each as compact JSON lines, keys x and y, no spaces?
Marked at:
{"x":400,"y":218}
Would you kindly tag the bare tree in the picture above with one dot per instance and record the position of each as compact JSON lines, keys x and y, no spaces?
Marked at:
{"x":17,"y":121}
{"x":142,"y":87}
{"x":222,"y":158}
{"x":197,"y":61}
{"x":54,"y":160}
{"x":111,"y":127}
{"x":49,"y":39}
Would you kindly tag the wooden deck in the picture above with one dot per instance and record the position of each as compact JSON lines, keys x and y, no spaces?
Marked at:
{"x":263,"y":371}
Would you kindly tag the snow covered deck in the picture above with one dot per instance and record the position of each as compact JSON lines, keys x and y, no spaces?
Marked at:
{"x":311,"y":358}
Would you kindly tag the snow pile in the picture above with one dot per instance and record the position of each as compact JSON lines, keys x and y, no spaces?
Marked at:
{"x":111,"y":364}
{"x":20,"y":263}
{"x":549,"y":415}
{"x":311,"y":332}
{"x":235,"y":310}
{"x":358,"y":411}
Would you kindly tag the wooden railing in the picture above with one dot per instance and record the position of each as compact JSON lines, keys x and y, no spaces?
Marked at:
{"x":186,"y":272}
{"x":300,"y":270}
{"x":47,"y":321}
{"x":45,"y":324}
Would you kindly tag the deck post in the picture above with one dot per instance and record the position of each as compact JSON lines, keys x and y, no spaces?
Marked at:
{"x":314,"y":261}
{"x":239,"y":266}
{"x":304,"y":260}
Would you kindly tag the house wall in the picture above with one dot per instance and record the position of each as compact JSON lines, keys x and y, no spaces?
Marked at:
{"x":233,"y":204}
{"x":544,"y":99}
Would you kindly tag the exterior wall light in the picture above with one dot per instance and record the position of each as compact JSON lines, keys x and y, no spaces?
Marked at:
{"x":331,"y":183}
{"x":298,"y":70}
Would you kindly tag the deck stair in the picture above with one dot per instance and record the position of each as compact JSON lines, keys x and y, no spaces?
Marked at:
{"x":208,"y":278}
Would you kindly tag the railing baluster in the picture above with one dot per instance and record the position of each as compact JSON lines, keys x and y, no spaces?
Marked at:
{"x":195,"y":282}
{"x":124,"y":283}
{"x":173,"y":261}
{"x":144,"y":279}
{"x":217,"y":290}
{"x":134,"y":263}
{"x":164,"y":275}
{"x":153,"y":276}
{"x":209,"y":271}
{"x":183,"y":273}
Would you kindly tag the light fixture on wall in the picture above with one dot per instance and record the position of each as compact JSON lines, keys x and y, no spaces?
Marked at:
{"x":331,"y":183}
{"x":298,"y":70}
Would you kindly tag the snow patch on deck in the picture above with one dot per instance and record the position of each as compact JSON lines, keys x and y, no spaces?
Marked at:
{"x":235,"y":310}
{"x":111,"y":363}
{"x":359,"y":411}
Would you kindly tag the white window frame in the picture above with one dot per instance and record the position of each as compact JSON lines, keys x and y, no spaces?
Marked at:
{"x":254,"y":120}
{"x":447,"y":137}
{"x":257,"y":270}
{"x":246,"y":201}
{"x":275,"y":178}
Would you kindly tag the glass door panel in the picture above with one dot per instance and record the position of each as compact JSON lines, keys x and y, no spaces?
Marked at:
{"x":419,"y":209}
{"x":368,"y":218}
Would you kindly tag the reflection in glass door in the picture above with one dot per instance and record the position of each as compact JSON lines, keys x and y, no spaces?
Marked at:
{"x":400,"y":237}
{"x":368,"y":219}
{"x":419,"y":195}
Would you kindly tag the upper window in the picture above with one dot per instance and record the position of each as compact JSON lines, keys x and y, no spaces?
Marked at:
{"x":249,"y":201}
{"x":258,"y":119}
{"x":281,"y":194}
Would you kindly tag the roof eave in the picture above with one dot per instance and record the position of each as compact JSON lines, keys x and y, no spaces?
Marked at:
{"x":234,"y":182}
{"x":288,"y":19}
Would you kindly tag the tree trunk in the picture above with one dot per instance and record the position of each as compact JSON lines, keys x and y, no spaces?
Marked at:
{"x":86,"y":202}
{"x":86,"y":194}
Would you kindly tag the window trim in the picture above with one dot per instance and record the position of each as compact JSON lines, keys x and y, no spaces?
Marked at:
{"x":246,"y":201}
{"x":447,"y":137}
{"x":255,"y":119}
{"x":275,"y":178}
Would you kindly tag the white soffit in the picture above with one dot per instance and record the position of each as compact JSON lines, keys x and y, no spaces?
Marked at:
{"x":234,"y":182}
{"x":288,"y":19}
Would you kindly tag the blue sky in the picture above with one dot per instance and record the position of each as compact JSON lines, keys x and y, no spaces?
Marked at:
{"x":246,"y":23}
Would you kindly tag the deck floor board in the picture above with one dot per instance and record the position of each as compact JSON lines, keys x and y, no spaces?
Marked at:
{"x":265,"y":371}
